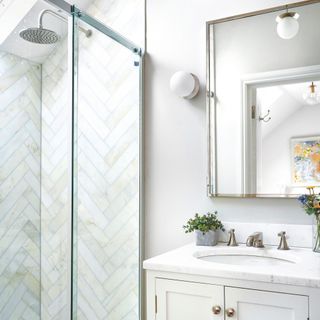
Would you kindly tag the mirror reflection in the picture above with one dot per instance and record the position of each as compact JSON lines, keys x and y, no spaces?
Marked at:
{"x":264,"y":102}
{"x":287,"y":138}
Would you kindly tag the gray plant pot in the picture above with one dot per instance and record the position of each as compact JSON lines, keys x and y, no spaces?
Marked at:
{"x":209,"y":238}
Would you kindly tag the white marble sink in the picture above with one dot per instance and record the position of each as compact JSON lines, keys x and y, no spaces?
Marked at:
{"x":297,"y":266}
{"x":243,"y":257}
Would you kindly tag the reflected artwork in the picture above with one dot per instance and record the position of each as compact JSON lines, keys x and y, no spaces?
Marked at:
{"x":306,"y":161}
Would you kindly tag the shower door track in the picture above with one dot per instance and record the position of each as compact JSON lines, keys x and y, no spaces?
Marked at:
{"x":73,"y":10}
{"x":73,"y":13}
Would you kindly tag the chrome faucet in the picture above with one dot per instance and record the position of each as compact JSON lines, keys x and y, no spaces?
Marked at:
{"x":232,"y":239}
{"x":255,"y":240}
{"x":283,"y":245}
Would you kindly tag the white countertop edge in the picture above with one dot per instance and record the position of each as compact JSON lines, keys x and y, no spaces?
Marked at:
{"x":181,"y":260}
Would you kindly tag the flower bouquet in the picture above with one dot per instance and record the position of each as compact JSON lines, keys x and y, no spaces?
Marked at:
{"x":311,"y":205}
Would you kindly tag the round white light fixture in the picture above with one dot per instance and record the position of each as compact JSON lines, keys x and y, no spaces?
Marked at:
{"x":312,"y":96}
{"x":185,"y":85}
{"x":288,"y":26}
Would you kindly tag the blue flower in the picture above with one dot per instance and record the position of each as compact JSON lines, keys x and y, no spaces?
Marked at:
{"x":303,"y":199}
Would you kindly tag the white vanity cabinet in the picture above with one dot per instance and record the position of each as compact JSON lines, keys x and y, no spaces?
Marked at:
{"x":187,"y":300}
{"x":263,"y":305}
{"x":283,"y":285}
{"x":183,"y":300}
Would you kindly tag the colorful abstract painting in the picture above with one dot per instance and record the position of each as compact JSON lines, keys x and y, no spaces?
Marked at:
{"x":306,"y":161}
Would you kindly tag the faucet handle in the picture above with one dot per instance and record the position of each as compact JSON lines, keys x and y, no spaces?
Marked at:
{"x":283,"y":245}
{"x":283,"y":233}
{"x":258,"y":243}
{"x":232,"y":239}
{"x":249,"y":242}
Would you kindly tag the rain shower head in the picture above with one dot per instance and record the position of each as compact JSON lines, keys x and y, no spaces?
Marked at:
{"x":39,"y":35}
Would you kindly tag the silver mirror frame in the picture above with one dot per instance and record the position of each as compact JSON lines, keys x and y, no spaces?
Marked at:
{"x":212,"y":187}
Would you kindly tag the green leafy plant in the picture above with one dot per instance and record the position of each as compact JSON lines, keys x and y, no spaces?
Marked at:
{"x":204,"y":223}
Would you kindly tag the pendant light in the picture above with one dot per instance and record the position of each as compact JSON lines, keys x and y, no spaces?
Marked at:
{"x":288,"y":25}
{"x":312,"y":96}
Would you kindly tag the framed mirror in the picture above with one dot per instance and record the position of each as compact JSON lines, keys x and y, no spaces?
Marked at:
{"x":263,"y":102}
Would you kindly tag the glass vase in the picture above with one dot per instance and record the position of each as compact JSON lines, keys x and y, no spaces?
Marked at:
{"x":316,"y":234}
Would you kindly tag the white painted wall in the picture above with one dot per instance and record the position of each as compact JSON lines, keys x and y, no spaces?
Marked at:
{"x":175,"y":133}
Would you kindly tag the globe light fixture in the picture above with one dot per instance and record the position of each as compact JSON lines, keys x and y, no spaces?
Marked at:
{"x":184,"y":85}
{"x":312,"y":96}
{"x":288,"y":25}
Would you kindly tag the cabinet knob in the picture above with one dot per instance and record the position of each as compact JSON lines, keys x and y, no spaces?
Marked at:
{"x":230,"y":312}
{"x":216,"y":309}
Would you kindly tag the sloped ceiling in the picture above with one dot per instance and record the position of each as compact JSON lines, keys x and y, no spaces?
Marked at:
{"x":282,"y":101}
{"x":27,"y":16}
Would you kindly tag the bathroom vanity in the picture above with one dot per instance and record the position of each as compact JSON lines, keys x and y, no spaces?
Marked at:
{"x":240,"y":283}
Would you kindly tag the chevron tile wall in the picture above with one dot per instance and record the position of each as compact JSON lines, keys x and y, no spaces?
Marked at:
{"x":55,"y":204}
{"x":108,"y":181}
{"x":127,"y":17}
{"x":20,"y":104}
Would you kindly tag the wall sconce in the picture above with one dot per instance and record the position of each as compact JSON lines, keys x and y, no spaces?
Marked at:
{"x":288,"y":26}
{"x":185,"y":85}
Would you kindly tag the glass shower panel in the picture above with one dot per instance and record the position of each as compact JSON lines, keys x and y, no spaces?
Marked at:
{"x":55,"y":183}
{"x":106,"y":234}
{"x":20,"y":128}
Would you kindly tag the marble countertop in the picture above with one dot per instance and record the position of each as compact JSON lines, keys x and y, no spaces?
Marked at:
{"x":301,"y":268}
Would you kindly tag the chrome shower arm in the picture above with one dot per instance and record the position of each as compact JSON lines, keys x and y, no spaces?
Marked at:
{"x":87,"y":32}
{"x":47,"y":11}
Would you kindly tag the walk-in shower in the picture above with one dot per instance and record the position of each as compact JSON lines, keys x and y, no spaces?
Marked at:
{"x":70,"y":163}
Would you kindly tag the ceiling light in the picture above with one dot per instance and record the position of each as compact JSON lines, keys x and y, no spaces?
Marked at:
{"x":312,"y":96}
{"x":287,"y":26}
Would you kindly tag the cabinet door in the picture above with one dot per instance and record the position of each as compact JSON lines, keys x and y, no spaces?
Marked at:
{"x":262,"y":305}
{"x":180,"y":300}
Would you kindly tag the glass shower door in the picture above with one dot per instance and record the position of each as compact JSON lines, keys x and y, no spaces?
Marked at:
{"x":106,"y":215}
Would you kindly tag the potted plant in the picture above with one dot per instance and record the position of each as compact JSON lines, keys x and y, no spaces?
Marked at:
{"x":311,"y":205}
{"x":206,"y":228}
